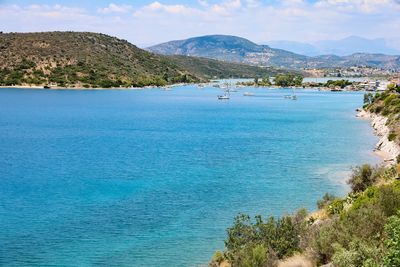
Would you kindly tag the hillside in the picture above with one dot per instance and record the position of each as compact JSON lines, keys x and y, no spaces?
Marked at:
{"x":82,"y":59}
{"x":210,"y":68}
{"x":229,"y":48}
{"x":237,"y":49}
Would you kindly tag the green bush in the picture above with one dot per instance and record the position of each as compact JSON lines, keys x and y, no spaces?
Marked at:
{"x":359,"y":253}
{"x":369,"y":196}
{"x":326,"y":200}
{"x":392,"y":243}
{"x":336,"y":206}
{"x":257,"y":257}
{"x":279,"y":237}
{"x":362,"y":177}
{"x":392,"y":136}
{"x":389,"y":198}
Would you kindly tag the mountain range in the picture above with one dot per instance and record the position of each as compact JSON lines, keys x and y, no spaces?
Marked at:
{"x":342,"y":47}
{"x":84,"y":59}
{"x":240,"y":50}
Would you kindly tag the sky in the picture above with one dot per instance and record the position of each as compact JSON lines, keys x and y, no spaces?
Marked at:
{"x":148,"y":22}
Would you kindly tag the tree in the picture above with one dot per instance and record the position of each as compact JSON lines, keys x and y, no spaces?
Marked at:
{"x":361,"y":178}
{"x":368,"y":98}
{"x":298,"y":81}
{"x":288,"y":80}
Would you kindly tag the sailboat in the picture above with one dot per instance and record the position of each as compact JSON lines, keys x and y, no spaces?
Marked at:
{"x":293,"y":96}
{"x":226,"y":95}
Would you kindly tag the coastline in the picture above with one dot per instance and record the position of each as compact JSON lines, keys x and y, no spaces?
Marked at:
{"x":41,"y":87}
{"x":38,"y":87}
{"x":385,"y":149}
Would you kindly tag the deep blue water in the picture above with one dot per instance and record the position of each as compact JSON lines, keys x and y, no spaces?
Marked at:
{"x":153,"y":178}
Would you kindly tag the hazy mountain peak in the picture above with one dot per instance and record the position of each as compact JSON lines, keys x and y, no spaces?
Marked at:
{"x":342,"y":47}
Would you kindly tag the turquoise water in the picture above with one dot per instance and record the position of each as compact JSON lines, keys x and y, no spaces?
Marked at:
{"x":153,"y":178}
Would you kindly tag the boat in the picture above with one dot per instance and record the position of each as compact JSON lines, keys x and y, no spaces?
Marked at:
{"x":227,"y":88}
{"x":248,"y":94}
{"x":223,"y":97}
{"x":293,"y":96}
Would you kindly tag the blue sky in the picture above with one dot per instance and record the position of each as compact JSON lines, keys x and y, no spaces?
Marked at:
{"x":146,"y":22}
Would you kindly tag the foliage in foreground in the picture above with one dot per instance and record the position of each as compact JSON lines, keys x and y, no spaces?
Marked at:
{"x":362,"y":229}
{"x":255,"y":243}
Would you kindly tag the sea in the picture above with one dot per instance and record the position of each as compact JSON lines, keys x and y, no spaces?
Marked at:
{"x":155,"y":177}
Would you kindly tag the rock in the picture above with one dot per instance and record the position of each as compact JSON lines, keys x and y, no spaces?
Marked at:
{"x":386,"y":149}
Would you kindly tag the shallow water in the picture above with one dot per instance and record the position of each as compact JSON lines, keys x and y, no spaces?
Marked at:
{"x":153,"y":178}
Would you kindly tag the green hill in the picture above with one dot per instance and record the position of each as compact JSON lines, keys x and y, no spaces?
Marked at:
{"x":210,"y":68}
{"x":83,"y":59}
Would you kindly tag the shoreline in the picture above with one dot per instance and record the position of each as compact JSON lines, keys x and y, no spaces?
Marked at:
{"x":38,"y":87}
{"x":385,"y":149}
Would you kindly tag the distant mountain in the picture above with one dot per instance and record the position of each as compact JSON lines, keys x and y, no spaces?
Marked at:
{"x":296,"y":47}
{"x":230,"y":48}
{"x":343,"y":47}
{"x":237,"y":49}
{"x":355,"y":44}
{"x":84,"y":59}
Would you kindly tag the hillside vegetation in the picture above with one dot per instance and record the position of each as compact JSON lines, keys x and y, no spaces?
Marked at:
{"x":210,"y":68}
{"x":360,"y":229}
{"x":82,"y":59}
{"x":387,"y":104}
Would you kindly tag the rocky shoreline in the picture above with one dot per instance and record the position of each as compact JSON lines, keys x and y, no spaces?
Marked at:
{"x":387,"y":150}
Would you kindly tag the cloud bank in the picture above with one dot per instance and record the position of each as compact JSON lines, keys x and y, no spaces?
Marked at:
{"x":158,"y":21}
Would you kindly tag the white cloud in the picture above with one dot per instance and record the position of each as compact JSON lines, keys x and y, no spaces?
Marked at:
{"x":42,"y":11}
{"x":114,"y":8}
{"x":226,"y":7}
{"x":203,"y":3}
{"x":359,"y":6}
{"x":297,"y":20}
{"x":158,"y":8}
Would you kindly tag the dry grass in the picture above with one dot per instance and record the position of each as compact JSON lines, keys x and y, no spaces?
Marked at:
{"x":296,"y":261}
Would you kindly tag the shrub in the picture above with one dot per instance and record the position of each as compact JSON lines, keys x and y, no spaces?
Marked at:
{"x":389,"y":199}
{"x":392,"y":136}
{"x":358,"y":254}
{"x":392,"y":243}
{"x":279,"y":237}
{"x":326,"y":200}
{"x":218,"y":257}
{"x":362,"y":177}
{"x":378,"y":109}
{"x":369,"y":196}
{"x":256,"y":258}
{"x":336,"y":206}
